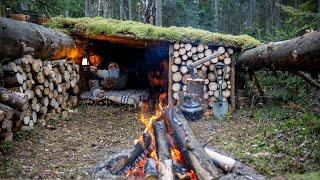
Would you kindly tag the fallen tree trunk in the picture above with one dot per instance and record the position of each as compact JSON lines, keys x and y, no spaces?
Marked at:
{"x":47,"y":43}
{"x":301,"y":53}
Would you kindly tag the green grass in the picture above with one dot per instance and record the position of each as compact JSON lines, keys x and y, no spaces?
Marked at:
{"x":306,"y":176}
{"x":100,"y":26}
{"x":285,"y":141}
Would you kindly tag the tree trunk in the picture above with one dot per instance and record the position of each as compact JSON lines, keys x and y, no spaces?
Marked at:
{"x":86,"y":8}
{"x":158,"y":21}
{"x":147,"y":11}
{"x":130,"y":9}
{"x":318,"y":13}
{"x":121,"y":10}
{"x":216,"y":17}
{"x":301,"y":53}
{"x":110,"y":8}
{"x":100,"y":8}
{"x":15,"y":36}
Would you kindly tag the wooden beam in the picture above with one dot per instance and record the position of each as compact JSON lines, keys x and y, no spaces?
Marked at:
{"x":300,"y":54}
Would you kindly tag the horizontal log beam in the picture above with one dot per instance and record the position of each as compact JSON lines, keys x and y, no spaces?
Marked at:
{"x":301,"y":54}
{"x":46,"y":43}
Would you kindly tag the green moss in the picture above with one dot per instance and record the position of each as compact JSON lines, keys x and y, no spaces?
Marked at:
{"x":100,"y":26}
{"x":296,"y":12}
{"x":306,"y":176}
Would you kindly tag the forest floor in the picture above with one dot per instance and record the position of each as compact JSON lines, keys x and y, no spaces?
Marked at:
{"x":273,"y":144}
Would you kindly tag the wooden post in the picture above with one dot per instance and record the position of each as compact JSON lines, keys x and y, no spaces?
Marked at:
{"x":170,"y":99}
{"x":256,"y":82}
{"x":233,"y":85}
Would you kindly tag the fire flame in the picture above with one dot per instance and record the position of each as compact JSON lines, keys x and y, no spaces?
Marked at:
{"x":176,"y":154}
{"x":149,"y":121}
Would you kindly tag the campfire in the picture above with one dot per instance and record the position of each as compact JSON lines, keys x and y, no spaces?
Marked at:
{"x":168,"y":149}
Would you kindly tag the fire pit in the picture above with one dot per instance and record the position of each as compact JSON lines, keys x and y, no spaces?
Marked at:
{"x":168,"y":149}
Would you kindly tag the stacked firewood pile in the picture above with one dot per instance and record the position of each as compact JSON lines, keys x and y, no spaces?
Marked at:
{"x":35,"y":88}
{"x":185,"y":54}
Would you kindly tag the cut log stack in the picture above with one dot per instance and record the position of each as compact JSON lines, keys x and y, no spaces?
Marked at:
{"x":45,"y":86}
{"x":184,"y":54}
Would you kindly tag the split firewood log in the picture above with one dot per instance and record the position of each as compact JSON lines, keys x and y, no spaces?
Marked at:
{"x":221,"y":50}
{"x":18,"y":101}
{"x":189,"y":54}
{"x":175,"y":54}
{"x":208,"y":52}
{"x":227,"y":61}
{"x":177,"y":77}
{"x":200,"y":48}
{"x":7,"y":110}
{"x":194,"y":50}
{"x":177,"y":60}
{"x":201,"y":55}
{"x":182,"y":51}
{"x":195,"y":57}
{"x":176,"y":46}
{"x":184,"y":57}
{"x":174,"y":68}
{"x":176,"y":87}
{"x":184,"y":69}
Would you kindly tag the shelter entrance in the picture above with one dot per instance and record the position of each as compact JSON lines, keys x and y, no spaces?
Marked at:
{"x":145,"y":66}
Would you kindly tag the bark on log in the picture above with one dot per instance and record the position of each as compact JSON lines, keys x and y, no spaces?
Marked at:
{"x":191,"y":148}
{"x":8,"y":111}
{"x":2,"y":115}
{"x":150,"y":170}
{"x":47,"y":43}
{"x":301,"y":53}
{"x":165,"y":165}
{"x":13,"y":100}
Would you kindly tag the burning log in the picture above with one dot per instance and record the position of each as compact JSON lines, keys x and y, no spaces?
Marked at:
{"x":150,"y":170}
{"x":142,"y":147}
{"x":192,"y":150}
{"x":165,"y":161}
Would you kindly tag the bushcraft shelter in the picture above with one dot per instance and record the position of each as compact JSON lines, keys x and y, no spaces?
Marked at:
{"x":156,"y":57}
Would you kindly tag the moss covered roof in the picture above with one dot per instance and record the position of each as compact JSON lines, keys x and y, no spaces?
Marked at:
{"x":138,"y":30}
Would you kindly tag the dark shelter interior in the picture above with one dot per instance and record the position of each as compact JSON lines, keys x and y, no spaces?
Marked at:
{"x":146,"y":66}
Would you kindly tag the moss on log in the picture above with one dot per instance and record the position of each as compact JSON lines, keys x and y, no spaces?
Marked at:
{"x":92,"y":27}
